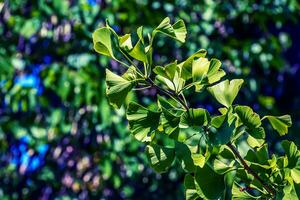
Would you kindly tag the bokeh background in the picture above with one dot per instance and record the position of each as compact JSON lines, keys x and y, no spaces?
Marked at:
{"x":59,"y":138}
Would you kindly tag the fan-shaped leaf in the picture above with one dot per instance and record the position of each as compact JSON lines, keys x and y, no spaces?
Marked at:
{"x":102,"y":42}
{"x":194,"y":117}
{"x":186,"y":66}
{"x":176,"y":31}
{"x":118,"y":87}
{"x":142,"y":121}
{"x":210,"y":183}
{"x":225,"y":91}
{"x":280,"y":123}
{"x":190,"y":188}
{"x":160,"y":158}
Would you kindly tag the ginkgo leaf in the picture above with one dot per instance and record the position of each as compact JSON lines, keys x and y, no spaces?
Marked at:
{"x":199,"y":71}
{"x":160,"y":158}
{"x":238,"y":195}
{"x":176,"y":31}
{"x":142,"y":122}
{"x":194,"y":117}
{"x":280,"y":123}
{"x":102,"y":42}
{"x":186,"y":66}
{"x":224,"y":133}
{"x":295,"y":174}
{"x":174,"y":81}
{"x":168,"y":71}
{"x":209,"y":183}
{"x":251,"y":120}
{"x":184,"y":155}
{"x":206,"y":72}
{"x":117,"y":88}
{"x":225,"y":91}
{"x":247,"y":116}
{"x":215,"y":73}
{"x":137,"y":52}
{"x":125,"y":42}
{"x":190,"y":188}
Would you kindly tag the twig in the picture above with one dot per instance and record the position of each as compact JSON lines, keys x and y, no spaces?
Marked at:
{"x":251,"y":171}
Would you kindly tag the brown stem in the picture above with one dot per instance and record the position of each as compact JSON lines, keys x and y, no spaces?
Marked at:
{"x":251,"y":171}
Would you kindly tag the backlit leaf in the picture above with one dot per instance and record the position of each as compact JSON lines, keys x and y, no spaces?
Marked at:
{"x":176,"y":31}
{"x":160,"y":158}
{"x":118,"y":88}
{"x":225,"y":91}
{"x":142,"y":122}
{"x":102,"y":42}
{"x":280,"y":123}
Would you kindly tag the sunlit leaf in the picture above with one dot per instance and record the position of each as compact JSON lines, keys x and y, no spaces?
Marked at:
{"x":117,"y":88}
{"x":102,"y":42}
{"x":160,"y":158}
{"x":186,"y":66}
{"x":195,"y":117}
{"x":280,"y":123}
{"x":142,"y":121}
{"x":176,"y":31}
{"x":225,"y":91}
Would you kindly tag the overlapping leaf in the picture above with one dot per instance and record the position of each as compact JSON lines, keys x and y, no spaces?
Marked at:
{"x":118,"y":87}
{"x":176,"y":31}
{"x":209,"y":183}
{"x":142,"y":122}
{"x":160,"y":158}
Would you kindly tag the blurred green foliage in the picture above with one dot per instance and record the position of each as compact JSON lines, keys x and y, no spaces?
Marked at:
{"x":58,"y":136}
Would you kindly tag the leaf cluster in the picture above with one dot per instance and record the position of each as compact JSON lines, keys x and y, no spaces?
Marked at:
{"x":220,"y":154}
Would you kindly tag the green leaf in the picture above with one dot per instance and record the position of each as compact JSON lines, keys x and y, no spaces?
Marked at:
{"x":176,"y":31}
{"x":248,"y":117}
{"x":142,"y":121}
{"x":206,"y":72}
{"x":125,"y":42}
{"x":292,"y":153}
{"x":118,"y":87}
{"x":190,"y":188}
{"x":280,"y":123}
{"x":198,"y":159}
{"x":223,"y":134}
{"x":167,"y":72}
{"x":187,"y":66}
{"x":289,"y":192}
{"x":194,"y":117}
{"x":199,"y":71}
{"x":183,"y":153}
{"x":295,"y":174}
{"x":160,"y":158}
{"x":225,"y":91}
{"x":251,"y":120}
{"x":221,"y":167}
{"x":137,"y":52}
{"x":238,"y":195}
{"x":175,"y":84}
{"x":215,"y":73}
{"x":210,"y":183}
{"x":102,"y":42}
